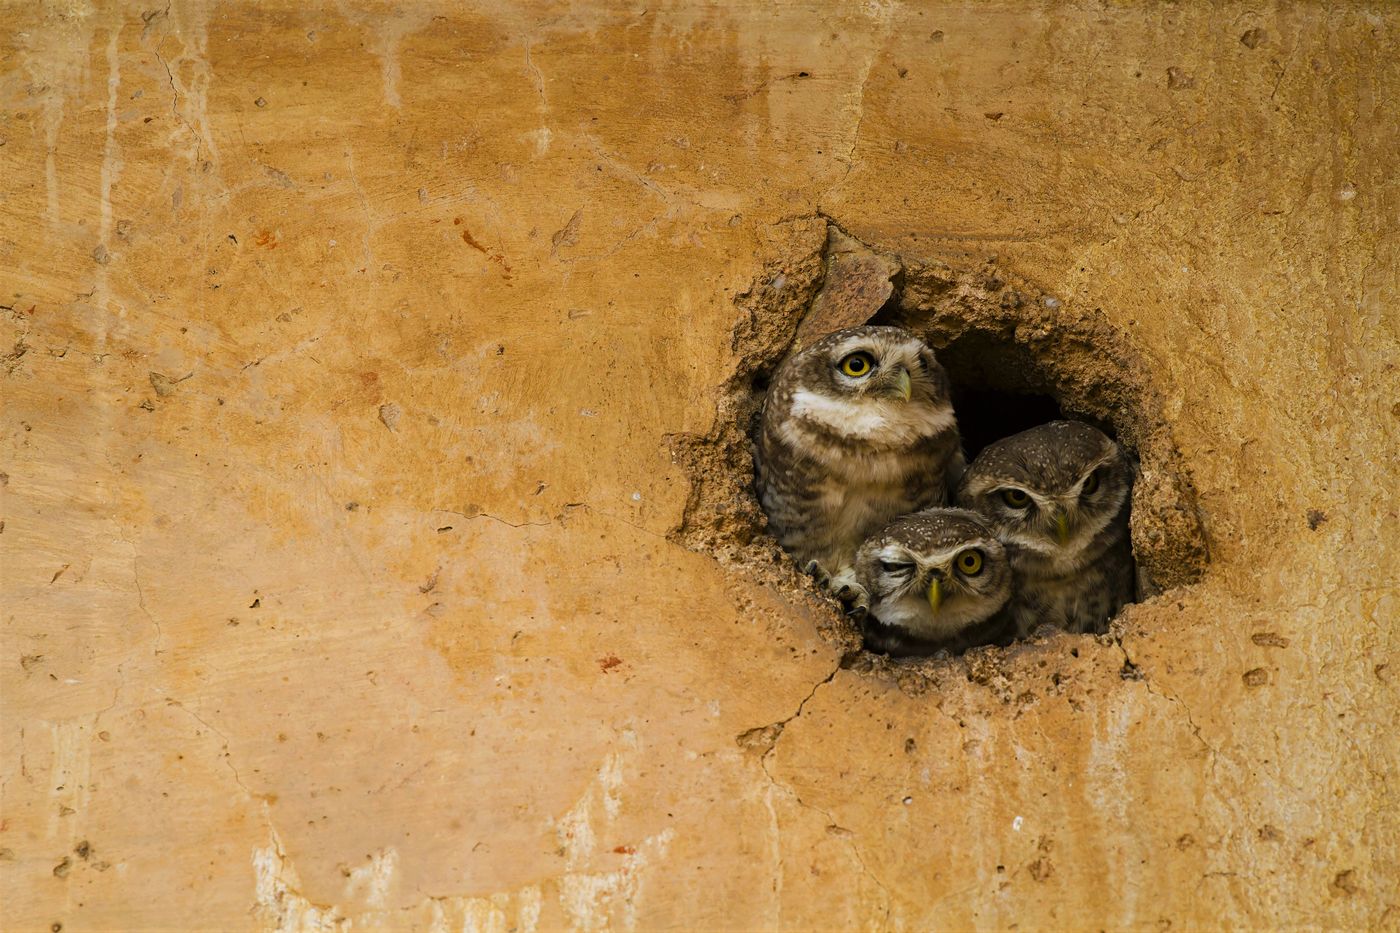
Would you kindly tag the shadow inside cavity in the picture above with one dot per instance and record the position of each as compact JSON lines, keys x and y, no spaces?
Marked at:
{"x":1000,"y":389}
{"x":986,"y":415}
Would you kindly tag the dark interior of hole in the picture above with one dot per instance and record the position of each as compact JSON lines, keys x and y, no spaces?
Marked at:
{"x":986,"y":415}
{"x":999,"y":389}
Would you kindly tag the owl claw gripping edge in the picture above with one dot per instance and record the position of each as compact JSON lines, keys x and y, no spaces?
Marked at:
{"x":857,"y":430}
{"x":844,"y":587}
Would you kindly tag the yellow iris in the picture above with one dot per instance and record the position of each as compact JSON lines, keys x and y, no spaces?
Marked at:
{"x":970,"y":562}
{"x":858,"y":364}
{"x":1091,"y":484}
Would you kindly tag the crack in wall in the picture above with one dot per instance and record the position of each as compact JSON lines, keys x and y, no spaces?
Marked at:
{"x":563,"y":514}
{"x":1147,"y":683}
{"x":884,"y":14}
{"x":175,"y":90}
{"x":141,"y":598}
{"x":227,"y":755}
{"x":370,"y":225}
{"x":768,"y":737}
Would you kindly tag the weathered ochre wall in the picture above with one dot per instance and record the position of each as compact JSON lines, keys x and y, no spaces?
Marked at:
{"x":343,"y":348}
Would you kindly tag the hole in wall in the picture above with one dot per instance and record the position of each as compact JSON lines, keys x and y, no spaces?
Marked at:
{"x":987,"y":414}
{"x":1016,"y":357}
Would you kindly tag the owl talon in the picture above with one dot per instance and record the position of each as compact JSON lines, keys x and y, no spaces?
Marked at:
{"x":819,"y":573}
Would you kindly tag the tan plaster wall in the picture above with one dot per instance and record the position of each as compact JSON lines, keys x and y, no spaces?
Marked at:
{"x":344,"y":351}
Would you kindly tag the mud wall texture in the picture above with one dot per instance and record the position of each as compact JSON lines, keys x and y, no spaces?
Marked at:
{"x":353,"y":360}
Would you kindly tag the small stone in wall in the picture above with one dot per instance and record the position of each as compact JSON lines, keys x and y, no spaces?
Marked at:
{"x":1345,"y":883}
{"x":1253,"y":37}
{"x":1178,"y":80}
{"x":1269,"y":640}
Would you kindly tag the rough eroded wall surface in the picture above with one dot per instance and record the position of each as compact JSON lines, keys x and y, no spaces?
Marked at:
{"x":346,"y":349}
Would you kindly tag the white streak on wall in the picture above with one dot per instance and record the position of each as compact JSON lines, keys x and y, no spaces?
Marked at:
{"x":590,"y":900}
{"x":594,"y":897}
{"x":541,"y":139}
{"x":111,"y":168}
{"x":69,"y":773}
{"x":528,"y":911}
{"x":279,"y":903}
{"x":775,"y":854}
{"x":1111,"y":796}
{"x":193,"y":27}
{"x":374,"y":879}
{"x":600,"y":888}
{"x":55,"y":57}
{"x":384,"y":35}
{"x":480,"y":915}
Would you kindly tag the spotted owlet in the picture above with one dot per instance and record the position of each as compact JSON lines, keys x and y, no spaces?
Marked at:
{"x":1058,"y":497}
{"x":936,"y":579}
{"x":856,"y":430}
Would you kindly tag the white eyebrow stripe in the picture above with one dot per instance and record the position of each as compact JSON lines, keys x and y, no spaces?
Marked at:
{"x":945,"y":557}
{"x":940,"y":558}
{"x":851,"y":345}
{"x":905,"y":352}
{"x":894,"y":554}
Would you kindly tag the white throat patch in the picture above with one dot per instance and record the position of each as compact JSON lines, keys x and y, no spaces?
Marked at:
{"x":874,"y":420}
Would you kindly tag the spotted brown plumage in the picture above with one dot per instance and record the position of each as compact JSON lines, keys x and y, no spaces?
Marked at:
{"x":937,"y":579}
{"x":1058,"y":497}
{"x":856,"y":430}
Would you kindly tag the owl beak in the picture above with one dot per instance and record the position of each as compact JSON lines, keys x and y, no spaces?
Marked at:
{"x":935,"y":594}
{"x":1062,"y":528}
{"x":903,"y":384}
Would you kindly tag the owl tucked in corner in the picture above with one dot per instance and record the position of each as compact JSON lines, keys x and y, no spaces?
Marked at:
{"x":1058,"y":497}
{"x":856,"y":430}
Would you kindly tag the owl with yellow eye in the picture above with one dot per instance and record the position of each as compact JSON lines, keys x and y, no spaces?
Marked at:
{"x":856,"y":430}
{"x":936,"y":579}
{"x":1058,"y":498}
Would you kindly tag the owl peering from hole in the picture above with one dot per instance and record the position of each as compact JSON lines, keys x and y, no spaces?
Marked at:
{"x":856,"y":430}
{"x":1058,"y":498}
{"x":936,"y":579}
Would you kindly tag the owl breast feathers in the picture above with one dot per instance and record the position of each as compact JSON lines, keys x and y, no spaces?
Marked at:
{"x":856,"y":430}
{"x":1058,"y":498}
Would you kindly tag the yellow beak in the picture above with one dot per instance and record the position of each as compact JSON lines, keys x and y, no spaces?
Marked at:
{"x":905,"y":384}
{"x":1062,"y":528}
{"x":935,"y":595}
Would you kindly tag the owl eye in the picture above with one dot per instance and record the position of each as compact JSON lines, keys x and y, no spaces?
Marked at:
{"x":894,"y":566}
{"x":858,"y":364}
{"x":970,"y":562}
{"x":1091,"y":485}
{"x":1016,"y":498}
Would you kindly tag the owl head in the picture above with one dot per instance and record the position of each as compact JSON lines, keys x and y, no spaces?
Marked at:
{"x":1050,"y":490}
{"x":934,"y":574}
{"x":879,"y":384}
